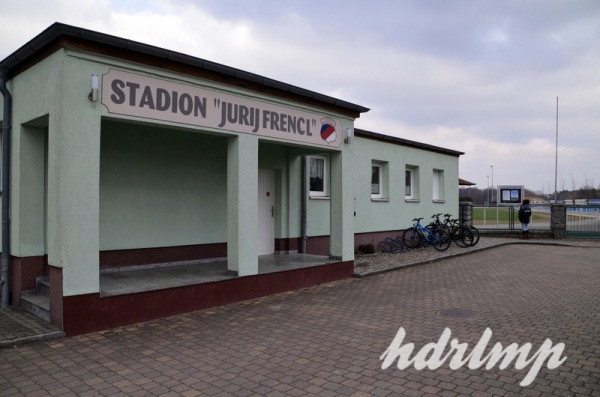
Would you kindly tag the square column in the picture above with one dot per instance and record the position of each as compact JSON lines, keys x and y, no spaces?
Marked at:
{"x":74,"y":194}
{"x":342,"y":206}
{"x":295,"y":199}
{"x":242,"y":205}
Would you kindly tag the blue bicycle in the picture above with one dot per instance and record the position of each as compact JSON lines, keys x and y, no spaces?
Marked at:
{"x":418,"y":234}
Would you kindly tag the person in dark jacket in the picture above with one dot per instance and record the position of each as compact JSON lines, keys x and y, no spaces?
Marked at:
{"x":524,"y":217}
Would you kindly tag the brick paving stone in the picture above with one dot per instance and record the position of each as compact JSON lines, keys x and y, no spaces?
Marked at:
{"x":328,"y":339}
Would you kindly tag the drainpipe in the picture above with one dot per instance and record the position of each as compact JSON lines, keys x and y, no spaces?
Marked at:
{"x":5,"y":189}
{"x":304,"y":204}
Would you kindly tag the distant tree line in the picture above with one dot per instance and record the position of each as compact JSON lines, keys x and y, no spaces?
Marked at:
{"x":481,"y":197}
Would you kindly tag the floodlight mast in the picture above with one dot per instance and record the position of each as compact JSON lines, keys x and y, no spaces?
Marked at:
{"x":556,"y":156}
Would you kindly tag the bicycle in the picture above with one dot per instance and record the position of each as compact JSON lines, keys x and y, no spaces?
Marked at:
{"x":415,"y":235}
{"x":460,"y":234}
{"x":473,"y":230}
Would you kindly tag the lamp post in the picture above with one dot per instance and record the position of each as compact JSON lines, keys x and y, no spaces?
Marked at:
{"x":492,"y":181}
{"x":488,"y":191}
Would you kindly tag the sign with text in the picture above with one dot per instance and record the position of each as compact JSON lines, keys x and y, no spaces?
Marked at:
{"x":147,"y":97}
{"x":511,"y":195}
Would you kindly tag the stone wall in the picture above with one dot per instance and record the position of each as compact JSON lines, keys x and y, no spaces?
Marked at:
{"x":465,"y":212}
{"x":558,"y":220}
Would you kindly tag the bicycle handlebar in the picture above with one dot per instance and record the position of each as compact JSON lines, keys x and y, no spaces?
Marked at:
{"x":417,"y":219}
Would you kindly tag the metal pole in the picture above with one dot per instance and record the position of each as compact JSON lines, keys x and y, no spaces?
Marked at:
{"x":6,"y":124}
{"x":556,"y":156}
{"x":488,"y":191}
{"x":492,"y":182}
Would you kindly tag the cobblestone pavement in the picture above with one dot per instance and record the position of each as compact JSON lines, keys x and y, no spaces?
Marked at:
{"x":18,"y":327}
{"x":327,"y":340}
{"x":367,"y":265}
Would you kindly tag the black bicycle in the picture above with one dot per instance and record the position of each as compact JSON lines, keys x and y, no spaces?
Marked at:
{"x":460,"y":234}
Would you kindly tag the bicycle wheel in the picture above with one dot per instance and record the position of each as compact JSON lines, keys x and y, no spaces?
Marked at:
{"x":475,"y":232}
{"x":440,"y":240}
{"x":455,"y":236}
{"x":462,"y":236}
{"x":412,"y":238}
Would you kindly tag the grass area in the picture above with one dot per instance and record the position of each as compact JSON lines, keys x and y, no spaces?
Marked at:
{"x":502,"y":214}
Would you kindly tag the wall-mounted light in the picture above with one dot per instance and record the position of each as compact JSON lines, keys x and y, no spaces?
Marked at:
{"x":93,"y":96}
{"x":348,"y":136}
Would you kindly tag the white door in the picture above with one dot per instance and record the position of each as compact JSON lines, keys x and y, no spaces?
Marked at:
{"x":266,"y":212}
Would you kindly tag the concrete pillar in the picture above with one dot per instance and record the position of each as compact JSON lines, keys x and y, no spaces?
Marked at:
{"x":74,"y":193}
{"x":294,"y":195}
{"x":558,"y":220}
{"x":465,"y":212}
{"x":341,"y":206}
{"x":242,"y":204}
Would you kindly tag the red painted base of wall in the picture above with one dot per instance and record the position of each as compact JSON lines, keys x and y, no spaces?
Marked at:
{"x":375,"y":237}
{"x":88,"y":313}
{"x":23,"y":272}
{"x":318,"y":245}
{"x":145,"y":256}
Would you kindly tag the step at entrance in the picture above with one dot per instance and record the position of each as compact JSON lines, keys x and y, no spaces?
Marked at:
{"x":37,"y":301}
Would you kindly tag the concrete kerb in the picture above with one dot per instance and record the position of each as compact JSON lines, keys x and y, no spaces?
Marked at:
{"x":25,"y":340}
{"x":443,"y":256}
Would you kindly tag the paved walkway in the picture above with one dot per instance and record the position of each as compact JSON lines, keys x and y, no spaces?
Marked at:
{"x":327,"y":340}
{"x":19,"y":327}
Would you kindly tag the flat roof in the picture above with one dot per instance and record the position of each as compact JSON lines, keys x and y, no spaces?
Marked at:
{"x":60,"y":35}
{"x":406,"y":142}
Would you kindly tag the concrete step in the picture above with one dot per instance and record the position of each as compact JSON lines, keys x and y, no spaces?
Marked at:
{"x":38,"y":305}
{"x":42,"y":285}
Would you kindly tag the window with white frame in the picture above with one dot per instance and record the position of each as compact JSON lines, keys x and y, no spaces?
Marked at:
{"x":411,"y":182}
{"x":438,"y":185}
{"x":376,"y":181}
{"x":318,"y":176}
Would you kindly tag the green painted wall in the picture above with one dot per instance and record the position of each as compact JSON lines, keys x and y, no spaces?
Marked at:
{"x":34,"y":94}
{"x":161,"y":187}
{"x":84,"y":182}
{"x":396,"y":212}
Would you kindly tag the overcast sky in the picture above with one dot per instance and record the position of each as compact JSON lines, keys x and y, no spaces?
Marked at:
{"x":478,"y":76}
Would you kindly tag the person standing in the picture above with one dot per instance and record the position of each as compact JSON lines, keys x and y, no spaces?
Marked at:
{"x":524,"y":217}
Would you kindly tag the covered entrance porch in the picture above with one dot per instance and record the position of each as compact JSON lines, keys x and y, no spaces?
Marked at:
{"x":133,"y":296}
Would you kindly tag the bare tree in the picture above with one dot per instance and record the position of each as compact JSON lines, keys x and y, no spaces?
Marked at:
{"x":573,"y":186}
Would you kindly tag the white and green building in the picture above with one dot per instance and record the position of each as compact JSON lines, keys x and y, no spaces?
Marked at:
{"x":124,"y":157}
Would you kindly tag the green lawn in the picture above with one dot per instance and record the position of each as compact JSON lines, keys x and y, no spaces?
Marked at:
{"x":502,"y":214}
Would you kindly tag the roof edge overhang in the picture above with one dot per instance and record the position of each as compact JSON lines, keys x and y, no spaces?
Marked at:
{"x":59,"y":35}
{"x":406,"y":142}
{"x":464,"y":182}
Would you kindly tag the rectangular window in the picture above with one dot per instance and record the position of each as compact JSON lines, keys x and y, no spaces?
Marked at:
{"x":376,"y":181}
{"x":379,"y":181}
{"x":318,"y":176}
{"x":438,"y":185}
{"x":411,"y":182}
